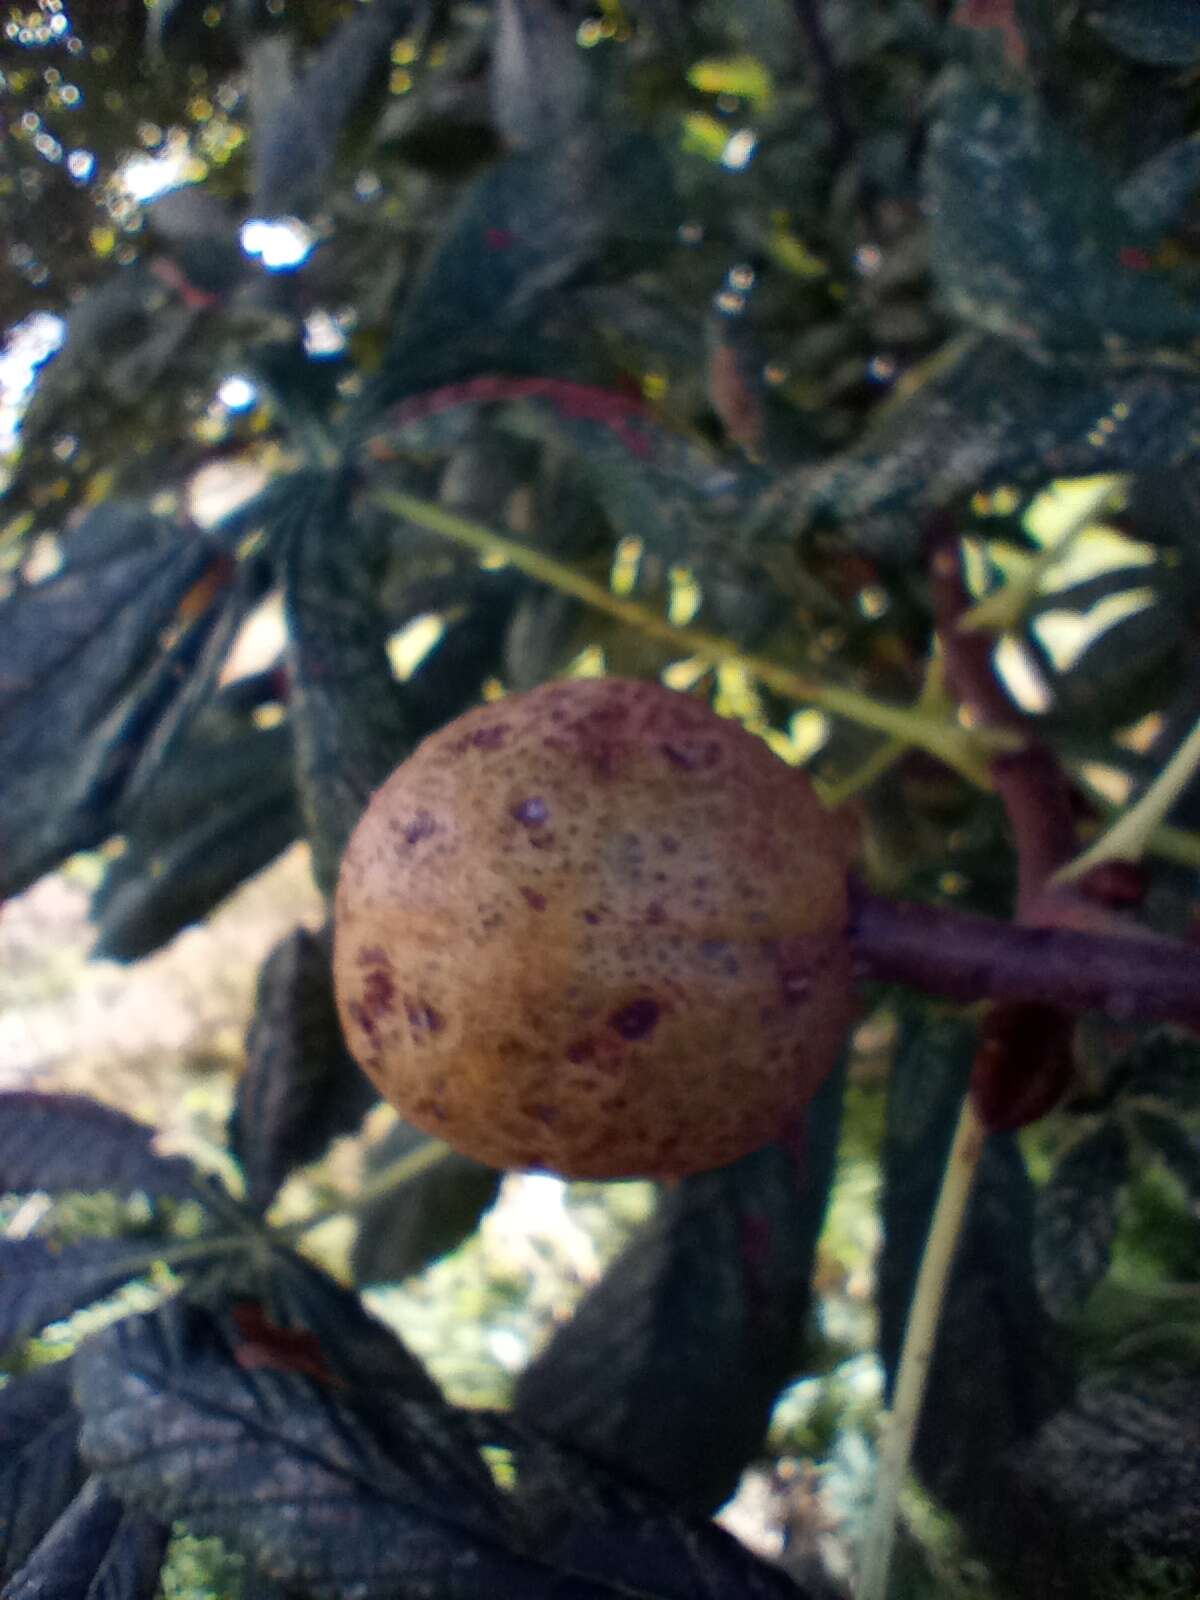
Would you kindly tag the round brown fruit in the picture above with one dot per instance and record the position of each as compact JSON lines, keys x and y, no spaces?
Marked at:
{"x":595,"y":929}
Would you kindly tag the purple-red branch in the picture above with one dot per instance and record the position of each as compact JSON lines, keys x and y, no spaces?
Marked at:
{"x":1030,"y":781}
{"x":965,"y":957}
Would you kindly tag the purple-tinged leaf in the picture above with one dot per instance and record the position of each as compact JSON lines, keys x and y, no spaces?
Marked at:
{"x":41,"y":1282}
{"x":362,"y":1352}
{"x":40,"y":1469}
{"x":196,"y":1417}
{"x":97,"y":1550}
{"x":64,"y":1143}
{"x":1077,"y":1217}
{"x":652,"y":482}
{"x":301,"y":1087}
{"x":184,"y":1416}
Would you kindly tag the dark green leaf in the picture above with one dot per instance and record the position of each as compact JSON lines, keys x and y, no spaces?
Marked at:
{"x":1028,"y":238}
{"x":671,"y":492}
{"x":221,"y":807}
{"x":1124,"y":671}
{"x":1123,"y":1465}
{"x":79,"y":689}
{"x":669,"y":1368}
{"x":1161,"y":32}
{"x":1165,"y":1066}
{"x":1077,"y":1218}
{"x":349,"y":720}
{"x":585,"y":1520}
{"x":40,"y":1469}
{"x":97,"y":1550}
{"x":1177,"y":1148}
{"x":986,"y":415}
{"x":996,"y":1373}
{"x":426,"y":1217}
{"x":61,"y":1143}
{"x":300,"y":1087}
{"x":124,"y":333}
{"x":299,"y":118}
{"x":1157,"y":195}
{"x":523,"y":231}
{"x":539,"y":82}
{"x":41,"y":1283}
{"x":663,"y":488}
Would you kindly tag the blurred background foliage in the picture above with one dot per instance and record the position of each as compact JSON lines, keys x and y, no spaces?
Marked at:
{"x":344,"y":342}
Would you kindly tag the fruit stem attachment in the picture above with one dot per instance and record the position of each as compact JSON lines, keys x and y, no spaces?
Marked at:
{"x":920,"y":1338}
{"x":964,"y":957}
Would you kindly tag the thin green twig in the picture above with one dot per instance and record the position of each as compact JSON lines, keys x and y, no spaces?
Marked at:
{"x":967,"y":751}
{"x":1133,"y":833}
{"x":401,"y":1171}
{"x":916,"y":1357}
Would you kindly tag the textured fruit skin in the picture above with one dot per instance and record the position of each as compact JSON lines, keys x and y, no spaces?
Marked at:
{"x":595,"y":929}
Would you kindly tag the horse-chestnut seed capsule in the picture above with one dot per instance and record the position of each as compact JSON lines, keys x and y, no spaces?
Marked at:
{"x":595,"y":929}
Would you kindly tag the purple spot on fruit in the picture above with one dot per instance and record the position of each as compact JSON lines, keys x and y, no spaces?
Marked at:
{"x":795,"y":986}
{"x":591,"y":917}
{"x":531,"y":813}
{"x":373,"y":955}
{"x":364,"y":1019}
{"x":605,"y":759}
{"x":535,"y":901}
{"x":655,"y":915}
{"x":422,"y":1017}
{"x":636,"y":1020}
{"x":678,"y":756}
{"x":379,"y":991}
{"x":490,"y":738}
{"x":670,"y":844}
{"x":693,"y":758}
{"x":581,"y":1050}
{"x":421,"y":827}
